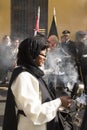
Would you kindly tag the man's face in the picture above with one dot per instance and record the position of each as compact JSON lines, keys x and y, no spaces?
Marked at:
{"x":66,"y":37}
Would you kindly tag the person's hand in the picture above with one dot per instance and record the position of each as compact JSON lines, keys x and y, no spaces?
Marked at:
{"x":66,"y":101}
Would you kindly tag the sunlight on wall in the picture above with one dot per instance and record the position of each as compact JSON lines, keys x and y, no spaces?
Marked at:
{"x":70,"y":14}
{"x":4,"y":18}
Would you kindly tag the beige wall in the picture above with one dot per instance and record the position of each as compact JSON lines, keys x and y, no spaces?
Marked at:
{"x":70,"y":14}
{"x":4,"y":18}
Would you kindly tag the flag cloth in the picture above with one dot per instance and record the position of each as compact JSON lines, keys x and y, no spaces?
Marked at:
{"x":36,"y":27}
{"x":37,"y":22}
{"x":53,"y":28}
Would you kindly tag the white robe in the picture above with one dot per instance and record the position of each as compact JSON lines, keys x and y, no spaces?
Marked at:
{"x":28,"y":98}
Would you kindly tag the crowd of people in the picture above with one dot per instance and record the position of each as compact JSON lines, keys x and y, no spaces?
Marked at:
{"x":42,"y":69}
{"x":8,"y":52}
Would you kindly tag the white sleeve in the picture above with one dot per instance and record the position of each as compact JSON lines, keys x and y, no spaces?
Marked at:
{"x":26,"y":91}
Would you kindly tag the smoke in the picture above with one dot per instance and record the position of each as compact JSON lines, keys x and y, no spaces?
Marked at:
{"x":60,"y":66}
{"x":6,"y":61}
{"x":6,"y":56}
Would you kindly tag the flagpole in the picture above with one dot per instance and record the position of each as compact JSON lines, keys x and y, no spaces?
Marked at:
{"x":38,"y":15}
{"x":54,"y":13}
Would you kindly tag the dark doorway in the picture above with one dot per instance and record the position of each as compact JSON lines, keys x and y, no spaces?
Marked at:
{"x":23,"y":17}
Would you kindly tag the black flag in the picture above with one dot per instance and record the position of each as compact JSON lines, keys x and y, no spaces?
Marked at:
{"x":53,"y":28}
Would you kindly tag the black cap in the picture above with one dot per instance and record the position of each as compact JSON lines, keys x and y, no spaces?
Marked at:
{"x":66,"y":32}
